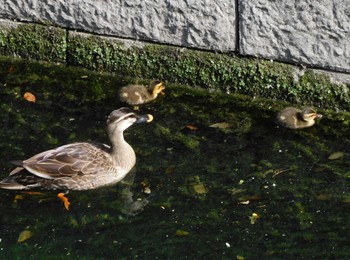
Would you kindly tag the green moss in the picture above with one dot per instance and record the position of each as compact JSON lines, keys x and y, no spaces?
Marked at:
{"x":219,"y":72}
{"x":224,"y":73}
{"x":33,"y":41}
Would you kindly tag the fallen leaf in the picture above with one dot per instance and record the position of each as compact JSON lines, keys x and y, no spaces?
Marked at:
{"x":26,"y":234}
{"x":9,"y":70}
{"x":222,"y":125}
{"x":253,"y":218}
{"x":336,"y":155}
{"x":199,"y":188}
{"x":169,"y":170}
{"x":181,"y":233}
{"x":147,"y":190}
{"x":192,"y":128}
{"x":29,"y":97}
{"x":18,"y":197}
{"x":33,"y":192}
{"x":322,"y":197}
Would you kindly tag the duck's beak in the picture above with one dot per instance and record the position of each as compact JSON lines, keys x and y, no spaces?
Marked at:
{"x":319,"y":116}
{"x":144,"y":118}
{"x":161,"y":91}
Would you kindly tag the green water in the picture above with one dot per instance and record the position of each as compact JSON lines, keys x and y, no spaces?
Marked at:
{"x":205,"y":165}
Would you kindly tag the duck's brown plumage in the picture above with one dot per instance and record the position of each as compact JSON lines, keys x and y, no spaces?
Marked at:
{"x":294,"y":118}
{"x":139,"y":94}
{"x":79,"y":166}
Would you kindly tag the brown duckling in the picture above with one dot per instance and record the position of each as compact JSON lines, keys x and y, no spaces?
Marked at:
{"x":82,"y":165}
{"x":139,"y":94}
{"x":294,"y":118}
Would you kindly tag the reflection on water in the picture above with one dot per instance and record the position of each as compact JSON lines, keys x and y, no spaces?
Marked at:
{"x":214,"y":177}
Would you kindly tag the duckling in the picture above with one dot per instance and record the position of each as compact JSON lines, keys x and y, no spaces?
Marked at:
{"x":81,"y":165}
{"x":294,"y":118}
{"x":139,"y":94}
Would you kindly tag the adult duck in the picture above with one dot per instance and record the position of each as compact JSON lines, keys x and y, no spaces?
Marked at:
{"x":81,"y":165}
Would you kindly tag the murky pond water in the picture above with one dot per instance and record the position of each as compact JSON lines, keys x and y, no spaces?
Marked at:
{"x":214,"y":176}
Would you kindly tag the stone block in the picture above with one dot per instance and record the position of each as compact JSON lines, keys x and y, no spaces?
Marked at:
{"x":314,"y":33}
{"x":202,"y":24}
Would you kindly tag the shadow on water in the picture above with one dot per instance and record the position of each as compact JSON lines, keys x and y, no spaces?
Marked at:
{"x":214,"y":178}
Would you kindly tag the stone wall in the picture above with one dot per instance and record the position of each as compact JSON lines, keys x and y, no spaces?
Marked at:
{"x":311,"y":33}
{"x":315,"y":33}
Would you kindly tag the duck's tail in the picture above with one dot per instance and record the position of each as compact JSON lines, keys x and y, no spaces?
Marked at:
{"x":10,"y":182}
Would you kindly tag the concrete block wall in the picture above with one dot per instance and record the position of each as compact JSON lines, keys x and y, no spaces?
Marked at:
{"x":315,"y":33}
{"x":312,"y":33}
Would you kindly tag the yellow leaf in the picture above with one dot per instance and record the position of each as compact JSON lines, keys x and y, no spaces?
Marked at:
{"x":199,"y":188}
{"x":181,"y":233}
{"x":26,"y":234}
{"x":336,"y":155}
{"x":147,"y":190}
{"x":253,"y":218}
{"x":222,"y":125}
{"x":18,"y":197}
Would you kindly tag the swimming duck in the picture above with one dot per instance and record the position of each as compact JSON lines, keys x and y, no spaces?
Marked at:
{"x":82,"y":165}
{"x":139,"y":94}
{"x":294,"y":118}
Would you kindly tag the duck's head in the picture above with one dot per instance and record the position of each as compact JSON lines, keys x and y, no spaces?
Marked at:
{"x":122,"y":118}
{"x":309,"y":114}
{"x":157,"y":87}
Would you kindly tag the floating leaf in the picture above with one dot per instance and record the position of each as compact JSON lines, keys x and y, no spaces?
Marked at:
{"x":9,"y":70}
{"x":336,"y":155}
{"x":181,"y":233}
{"x":147,"y":190}
{"x":18,"y":197}
{"x":34,"y":193}
{"x":253,"y":218}
{"x":26,"y":234}
{"x":199,"y":188}
{"x":192,"y":128}
{"x":322,"y":197}
{"x":222,"y":125}
{"x":29,"y":97}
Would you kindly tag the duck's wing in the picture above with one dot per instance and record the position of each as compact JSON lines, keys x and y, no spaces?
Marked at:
{"x":134,"y":93}
{"x":69,"y":160}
